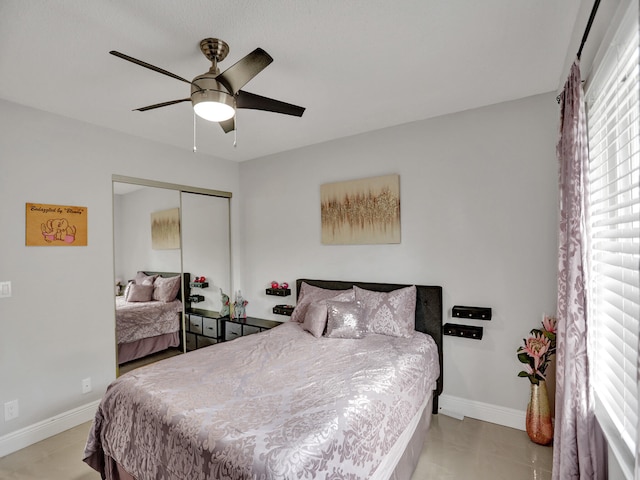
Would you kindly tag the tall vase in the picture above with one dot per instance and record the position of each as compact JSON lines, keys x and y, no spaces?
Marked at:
{"x":539,"y":425}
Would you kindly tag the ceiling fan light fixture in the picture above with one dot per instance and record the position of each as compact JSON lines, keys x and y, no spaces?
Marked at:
{"x":214,"y":95}
{"x":213,"y":105}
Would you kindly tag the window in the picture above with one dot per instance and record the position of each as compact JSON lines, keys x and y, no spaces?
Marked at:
{"x":613,"y":223}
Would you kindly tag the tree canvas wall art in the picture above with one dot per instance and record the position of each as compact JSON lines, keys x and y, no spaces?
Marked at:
{"x":361,"y":212}
{"x":165,"y":229}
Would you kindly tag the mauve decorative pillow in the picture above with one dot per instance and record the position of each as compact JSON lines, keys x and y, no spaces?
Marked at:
{"x":166,"y":289}
{"x":142,"y":278}
{"x":389,"y":313}
{"x":140,"y":293}
{"x":310,"y":294}
{"x":315,"y":320}
{"x":344,"y":320}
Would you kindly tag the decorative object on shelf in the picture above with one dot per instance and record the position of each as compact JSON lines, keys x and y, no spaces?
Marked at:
{"x":239,"y":310}
{"x":536,"y":354}
{"x":225,"y":310}
{"x":280,"y":292}
{"x":199,"y":282}
{"x":279,"y":289}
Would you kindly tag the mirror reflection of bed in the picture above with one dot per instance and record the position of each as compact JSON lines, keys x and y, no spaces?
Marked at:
{"x":149,"y":318}
{"x":201,"y":248}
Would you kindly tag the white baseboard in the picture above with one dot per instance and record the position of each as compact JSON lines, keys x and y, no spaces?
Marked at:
{"x":461,"y":407}
{"x":14,"y":441}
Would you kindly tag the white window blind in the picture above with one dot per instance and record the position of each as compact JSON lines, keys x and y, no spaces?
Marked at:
{"x":613,"y":223}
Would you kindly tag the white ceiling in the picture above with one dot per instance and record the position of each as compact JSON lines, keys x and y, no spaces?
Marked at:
{"x":356,"y":65}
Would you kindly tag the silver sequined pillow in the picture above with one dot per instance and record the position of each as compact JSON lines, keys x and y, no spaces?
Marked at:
{"x":315,"y":320}
{"x":344,"y":320}
{"x":310,"y":294}
{"x":389,"y":313}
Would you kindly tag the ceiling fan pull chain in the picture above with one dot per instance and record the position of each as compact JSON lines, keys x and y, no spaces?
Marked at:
{"x":194,"y":132}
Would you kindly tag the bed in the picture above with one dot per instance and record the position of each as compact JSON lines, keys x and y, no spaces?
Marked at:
{"x":147,"y":327}
{"x":280,"y":404}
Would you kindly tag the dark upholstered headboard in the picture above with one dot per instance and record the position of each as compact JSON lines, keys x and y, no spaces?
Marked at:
{"x":428,"y":311}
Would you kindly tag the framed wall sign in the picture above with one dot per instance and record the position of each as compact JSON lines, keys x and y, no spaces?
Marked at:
{"x":55,"y":225}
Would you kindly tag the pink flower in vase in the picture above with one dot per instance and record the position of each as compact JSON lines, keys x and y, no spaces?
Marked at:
{"x":536,"y":346}
{"x":550,"y":324}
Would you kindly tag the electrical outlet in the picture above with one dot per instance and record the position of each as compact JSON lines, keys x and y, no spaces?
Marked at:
{"x":11,"y":410}
{"x":5,"y":289}
{"x":86,"y":385}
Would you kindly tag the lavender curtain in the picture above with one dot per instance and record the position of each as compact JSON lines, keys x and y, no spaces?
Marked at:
{"x":578,"y":448}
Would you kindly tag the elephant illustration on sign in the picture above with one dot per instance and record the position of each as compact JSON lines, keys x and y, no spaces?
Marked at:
{"x":58,"y":229}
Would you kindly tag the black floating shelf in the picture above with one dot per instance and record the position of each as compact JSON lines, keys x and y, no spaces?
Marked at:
{"x":199,"y":284}
{"x":196,"y":298}
{"x":479,"y":313}
{"x":279,"y":292}
{"x":464,"y":331}
{"x":283,"y":309}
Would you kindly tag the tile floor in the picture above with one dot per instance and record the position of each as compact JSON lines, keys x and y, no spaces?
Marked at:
{"x":472,"y":449}
{"x":467,"y":449}
{"x":154,"y":357}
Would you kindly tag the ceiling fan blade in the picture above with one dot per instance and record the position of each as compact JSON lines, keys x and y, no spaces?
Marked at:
{"x":163,"y":104}
{"x":237,"y":75}
{"x":228,"y":125}
{"x":257,"y":102}
{"x":147,"y":65}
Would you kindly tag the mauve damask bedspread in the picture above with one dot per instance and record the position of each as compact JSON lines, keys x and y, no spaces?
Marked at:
{"x":137,"y":320}
{"x":277,"y":405}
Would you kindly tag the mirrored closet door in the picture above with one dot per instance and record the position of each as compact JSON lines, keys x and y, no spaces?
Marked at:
{"x":166,"y":238}
{"x":206,"y":256}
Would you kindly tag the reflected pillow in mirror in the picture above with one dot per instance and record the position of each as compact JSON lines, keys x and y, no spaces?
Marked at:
{"x":344,"y":320}
{"x":127,"y":288}
{"x":142,"y":278}
{"x":166,"y":289}
{"x":140,"y":293}
{"x":389,"y":313}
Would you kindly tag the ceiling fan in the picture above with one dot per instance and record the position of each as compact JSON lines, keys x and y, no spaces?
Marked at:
{"x":216,"y":96}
